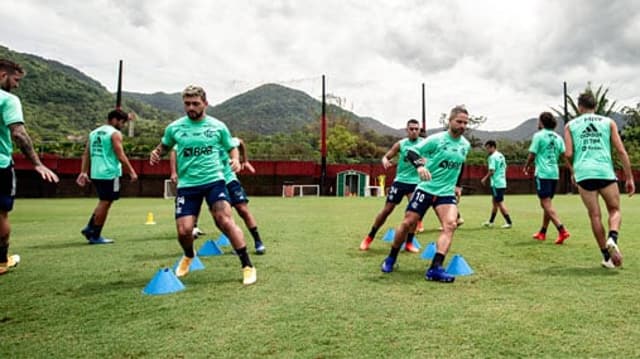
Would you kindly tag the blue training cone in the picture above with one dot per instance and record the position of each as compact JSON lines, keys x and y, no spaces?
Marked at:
{"x":209,"y":248}
{"x":458,"y":266}
{"x":429,"y":252}
{"x":223,"y":240}
{"x":164,"y":282}
{"x":388,"y":237}
{"x":196,"y":264}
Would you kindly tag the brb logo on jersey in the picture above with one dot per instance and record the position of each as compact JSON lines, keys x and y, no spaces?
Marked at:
{"x":197,"y":151}
{"x":449,"y":165}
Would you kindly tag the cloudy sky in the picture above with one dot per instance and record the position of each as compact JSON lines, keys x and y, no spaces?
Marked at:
{"x":505,"y":60}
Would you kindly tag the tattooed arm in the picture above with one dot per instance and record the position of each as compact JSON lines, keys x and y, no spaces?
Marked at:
{"x":23,"y":141}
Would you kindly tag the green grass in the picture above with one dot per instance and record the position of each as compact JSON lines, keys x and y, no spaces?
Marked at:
{"x":317,"y":296}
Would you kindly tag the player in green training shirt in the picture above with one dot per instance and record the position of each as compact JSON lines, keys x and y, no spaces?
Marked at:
{"x":403,"y":184}
{"x":545,"y":149}
{"x":588,"y":140}
{"x":105,"y":154}
{"x":238,"y":196}
{"x":438,"y":159}
{"x":498,"y":174}
{"x":12,"y":128}
{"x":199,"y":139}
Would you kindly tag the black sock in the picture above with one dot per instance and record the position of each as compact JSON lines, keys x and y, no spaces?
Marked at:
{"x":244,"y":257}
{"x":605,"y":254}
{"x":410,"y":238}
{"x":438,"y":259}
{"x":543,"y":230}
{"x":255,"y":234}
{"x":373,"y":231}
{"x":493,"y":217}
{"x":188,"y":251}
{"x":394,"y":252}
{"x":560,"y":228}
{"x":91,"y":221}
{"x":614,"y":235}
{"x":458,"y":215}
{"x":4,"y":251}
{"x":507,"y":218}
{"x":97,"y":230}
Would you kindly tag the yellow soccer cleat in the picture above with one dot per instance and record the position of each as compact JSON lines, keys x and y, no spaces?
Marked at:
{"x":183,"y":266}
{"x":11,"y":262}
{"x":249,"y":275}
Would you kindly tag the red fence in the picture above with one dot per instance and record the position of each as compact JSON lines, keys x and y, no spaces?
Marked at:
{"x":267,"y":181}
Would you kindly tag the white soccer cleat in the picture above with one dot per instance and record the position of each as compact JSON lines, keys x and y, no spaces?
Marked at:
{"x":196,"y":232}
{"x":614,"y":252}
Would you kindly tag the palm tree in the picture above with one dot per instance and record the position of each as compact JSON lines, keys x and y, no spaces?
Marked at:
{"x":602,"y":104}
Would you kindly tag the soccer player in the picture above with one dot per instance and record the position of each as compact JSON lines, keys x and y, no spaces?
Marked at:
{"x":546,"y":147}
{"x":237,"y":194}
{"x":199,"y":139}
{"x":12,"y":128}
{"x":403,"y":184}
{"x":105,"y":154}
{"x":445,"y":153}
{"x":588,"y":140}
{"x":498,"y":174}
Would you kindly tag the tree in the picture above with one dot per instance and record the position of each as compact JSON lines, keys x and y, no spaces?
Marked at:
{"x":602,"y":104}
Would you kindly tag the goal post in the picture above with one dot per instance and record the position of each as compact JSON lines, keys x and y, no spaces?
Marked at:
{"x":300,"y":190}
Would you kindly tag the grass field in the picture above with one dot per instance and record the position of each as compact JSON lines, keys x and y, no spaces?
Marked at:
{"x":317,"y":296}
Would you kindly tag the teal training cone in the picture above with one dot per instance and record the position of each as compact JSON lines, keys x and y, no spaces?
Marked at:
{"x":164,"y":282}
{"x":196,"y":264}
{"x":223,"y":240}
{"x":209,"y":248}
{"x":388,"y":237}
{"x":429,"y":252}
{"x":458,"y":266}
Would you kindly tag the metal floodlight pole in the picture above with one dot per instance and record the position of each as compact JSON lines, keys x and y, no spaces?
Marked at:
{"x":424,"y":108}
{"x":119,"y":90}
{"x":566,"y":110}
{"x":323,"y":140}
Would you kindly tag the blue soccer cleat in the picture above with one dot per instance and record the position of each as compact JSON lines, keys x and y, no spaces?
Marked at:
{"x":438,"y":274}
{"x":260,"y":248}
{"x":100,"y":240}
{"x":87,"y":233}
{"x":388,"y":265}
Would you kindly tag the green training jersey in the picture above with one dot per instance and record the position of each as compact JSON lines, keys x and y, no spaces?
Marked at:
{"x":445,"y":156}
{"x":405,"y":172}
{"x":199,"y":144}
{"x":229,"y":175}
{"x":547,"y":146}
{"x":591,"y":136}
{"x":104,"y":162}
{"x":11,"y":112}
{"x":498,"y":165}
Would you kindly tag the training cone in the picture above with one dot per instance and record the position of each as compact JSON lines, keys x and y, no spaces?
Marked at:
{"x":429,"y":252}
{"x":388,"y":237}
{"x":209,"y":248}
{"x":223,"y":240}
{"x":196,"y":264}
{"x":164,"y":282}
{"x":150,"y":218}
{"x":458,"y":266}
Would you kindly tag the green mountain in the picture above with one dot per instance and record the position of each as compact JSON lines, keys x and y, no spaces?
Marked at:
{"x":267,"y":110}
{"x":61,"y":105}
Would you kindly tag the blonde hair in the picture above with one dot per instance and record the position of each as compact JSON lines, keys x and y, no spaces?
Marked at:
{"x":194,"y":91}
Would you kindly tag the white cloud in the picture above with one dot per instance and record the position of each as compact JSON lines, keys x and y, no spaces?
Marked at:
{"x":504,"y":60}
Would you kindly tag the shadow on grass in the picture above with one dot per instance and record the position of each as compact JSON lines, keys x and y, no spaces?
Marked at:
{"x":89,"y":289}
{"x":61,"y":245}
{"x":574,"y":271}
